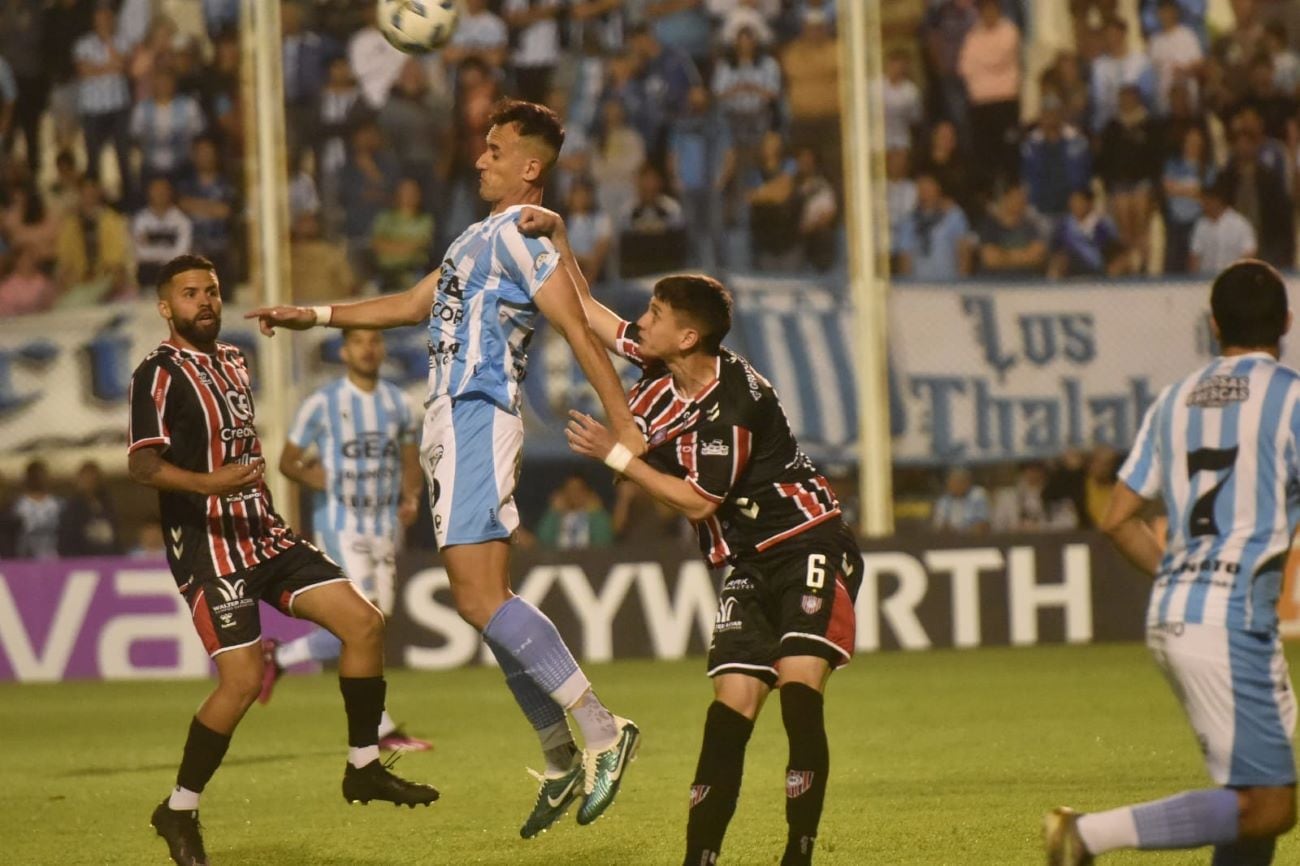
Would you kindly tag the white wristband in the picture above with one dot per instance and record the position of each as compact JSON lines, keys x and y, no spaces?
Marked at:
{"x":323,"y":313}
{"x":618,"y":457}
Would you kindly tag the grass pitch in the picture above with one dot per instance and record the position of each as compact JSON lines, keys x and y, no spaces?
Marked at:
{"x":937,"y":758}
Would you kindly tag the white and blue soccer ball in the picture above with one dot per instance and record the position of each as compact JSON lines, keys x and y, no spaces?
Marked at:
{"x":417,"y":26}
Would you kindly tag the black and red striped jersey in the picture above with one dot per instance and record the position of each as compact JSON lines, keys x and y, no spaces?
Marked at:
{"x":733,"y":444}
{"x":198,"y":410}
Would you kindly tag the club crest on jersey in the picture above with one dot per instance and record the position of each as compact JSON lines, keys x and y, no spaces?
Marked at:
{"x":797,"y":782}
{"x":810,"y":604}
{"x":698,"y":793}
{"x":715,"y":448}
{"x":239,"y":405}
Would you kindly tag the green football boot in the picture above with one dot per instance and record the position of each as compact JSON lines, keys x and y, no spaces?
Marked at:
{"x":604,"y":771}
{"x":554,"y":797}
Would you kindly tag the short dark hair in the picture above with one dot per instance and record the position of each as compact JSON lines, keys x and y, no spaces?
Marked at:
{"x":182,"y":263}
{"x":1249,"y":303}
{"x":534,"y":120}
{"x":701,"y":299}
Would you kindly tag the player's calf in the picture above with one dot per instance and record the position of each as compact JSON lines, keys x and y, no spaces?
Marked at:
{"x":716,"y":785}
{"x":805,"y":782}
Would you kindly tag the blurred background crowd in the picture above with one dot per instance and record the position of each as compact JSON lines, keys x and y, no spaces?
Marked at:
{"x":1160,"y":139}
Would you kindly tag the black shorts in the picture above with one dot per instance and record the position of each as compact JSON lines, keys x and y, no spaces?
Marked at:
{"x":225,"y":610}
{"x":793,"y":600}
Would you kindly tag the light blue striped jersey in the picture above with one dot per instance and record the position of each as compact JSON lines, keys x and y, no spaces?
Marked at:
{"x":483,"y":312}
{"x":1220,"y":448}
{"x":359,"y":437}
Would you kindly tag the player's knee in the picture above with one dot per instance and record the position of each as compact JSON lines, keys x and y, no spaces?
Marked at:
{"x":243,"y":687}
{"x":475,"y":610}
{"x":370,"y":625}
{"x":1267,"y":812}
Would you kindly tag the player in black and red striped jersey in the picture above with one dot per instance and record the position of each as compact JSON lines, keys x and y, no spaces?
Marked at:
{"x":192,"y":437}
{"x":721,"y":452}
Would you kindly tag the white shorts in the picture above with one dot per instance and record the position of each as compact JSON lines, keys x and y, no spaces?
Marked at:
{"x":368,"y":560}
{"x":470,"y":452}
{"x":1236,"y":690}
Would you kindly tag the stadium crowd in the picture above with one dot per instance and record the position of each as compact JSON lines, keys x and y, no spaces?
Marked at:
{"x":700,"y":134}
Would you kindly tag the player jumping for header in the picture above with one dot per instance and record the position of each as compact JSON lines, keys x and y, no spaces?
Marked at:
{"x":354,"y":445}
{"x":192,"y":437}
{"x":481,"y":305}
{"x":1221,"y":449}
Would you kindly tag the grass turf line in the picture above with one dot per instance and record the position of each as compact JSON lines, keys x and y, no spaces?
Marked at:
{"x":936,"y":758}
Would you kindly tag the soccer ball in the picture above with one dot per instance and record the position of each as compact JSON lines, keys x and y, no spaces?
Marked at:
{"x":417,"y":26}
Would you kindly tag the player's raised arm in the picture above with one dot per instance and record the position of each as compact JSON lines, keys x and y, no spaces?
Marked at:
{"x":387,"y":311}
{"x":558,"y":300}
{"x":540,"y":222}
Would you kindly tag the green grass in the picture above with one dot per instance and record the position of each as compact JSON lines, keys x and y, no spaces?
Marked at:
{"x":937,"y":758}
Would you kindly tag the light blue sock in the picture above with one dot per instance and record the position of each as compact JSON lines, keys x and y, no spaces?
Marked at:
{"x":1188,"y":820}
{"x":317,"y":646}
{"x":541,"y":711}
{"x":324,"y":646}
{"x":528,"y":636}
{"x":1245,"y":852}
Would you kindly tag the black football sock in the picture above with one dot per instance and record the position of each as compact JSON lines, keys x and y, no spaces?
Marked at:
{"x":363,"y":700}
{"x":204,"y":750}
{"x":717,"y":782}
{"x":805,"y":778}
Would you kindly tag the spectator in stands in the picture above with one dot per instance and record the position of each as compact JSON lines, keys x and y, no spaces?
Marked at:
{"x":660,"y":89}
{"x":1054,"y":159}
{"x":1274,"y":107}
{"x":616,"y":160}
{"x":164,"y":127}
{"x":902,"y":102}
{"x":653,"y":233}
{"x":1128,"y":161}
{"x":104,"y":96}
{"x":402,"y":239}
{"x":597,"y":25}
{"x":1259,"y":193}
{"x":1220,"y":236}
{"x":305,"y":59}
{"x":153,"y":54}
{"x":36,"y":514}
{"x":1025,"y":507}
{"x":375,"y":63}
{"x":1189,"y":12}
{"x":1114,"y":69}
{"x":900,"y":193}
{"x":1183,"y":116}
{"x":1064,"y":81}
{"x":1176,"y":54}
{"x":774,"y":209}
{"x":1013,"y":237}
{"x":479,"y":34}
{"x":535,"y":35}
{"x":1186,"y":176}
{"x":27,"y":222}
{"x":208,"y":198}
{"x":693,"y":165}
{"x":150,"y":542}
{"x":161,"y":231}
{"x":24,"y":287}
{"x":943,"y":31}
{"x":65,"y":192}
{"x":1286,"y":62}
{"x":94,"y":250}
{"x":639,"y":518}
{"x":89,"y":526}
{"x":818,"y":210}
{"x":591,"y":231}
{"x":576,"y":519}
{"x":734,"y":16}
{"x":1241,"y":44}
{"x":1085,"y":241}
{"x":319,"y":266}
{"x":1099,"y":482}
{"x":990,"y":68}
{"x":477,"y":91}
{"x":944,"y":161}
{"x":304,"y":196}
{"x":811,"y":65}
{"x":365,"y":185}
{"x":746,"y":86}
{"x":963,"y":507}
{"x":934,"y":241}
{"x":22,"y":34}
{"x":64,"y":23}
{"x":415,"y":124}
{"x":8,"y":100}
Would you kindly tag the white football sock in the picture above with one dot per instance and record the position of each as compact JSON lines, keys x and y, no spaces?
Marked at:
{"x":1107,"y":831}
{"x":183,"y":799}
{"x":386,"y":725}
{"x":293,"y":653}
{"x":360,"y":757}
{"x":598,"y":725}
{"x":558,"y":748}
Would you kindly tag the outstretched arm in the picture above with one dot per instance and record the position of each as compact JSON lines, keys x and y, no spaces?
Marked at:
{"x":540,"y":222}
{"x":558,"y":300}
{"x":1129,"y":532}
{"x":387,"y":311}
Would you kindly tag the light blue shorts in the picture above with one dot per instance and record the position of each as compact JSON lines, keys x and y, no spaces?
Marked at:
{"x":470,"y":452}
{"x":1236,"y":690}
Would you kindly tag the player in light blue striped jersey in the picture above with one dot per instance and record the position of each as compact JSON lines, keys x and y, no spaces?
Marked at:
{"x":354,"y":443}
{"x":1221,"y":449}
{"x":482,"y":305}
